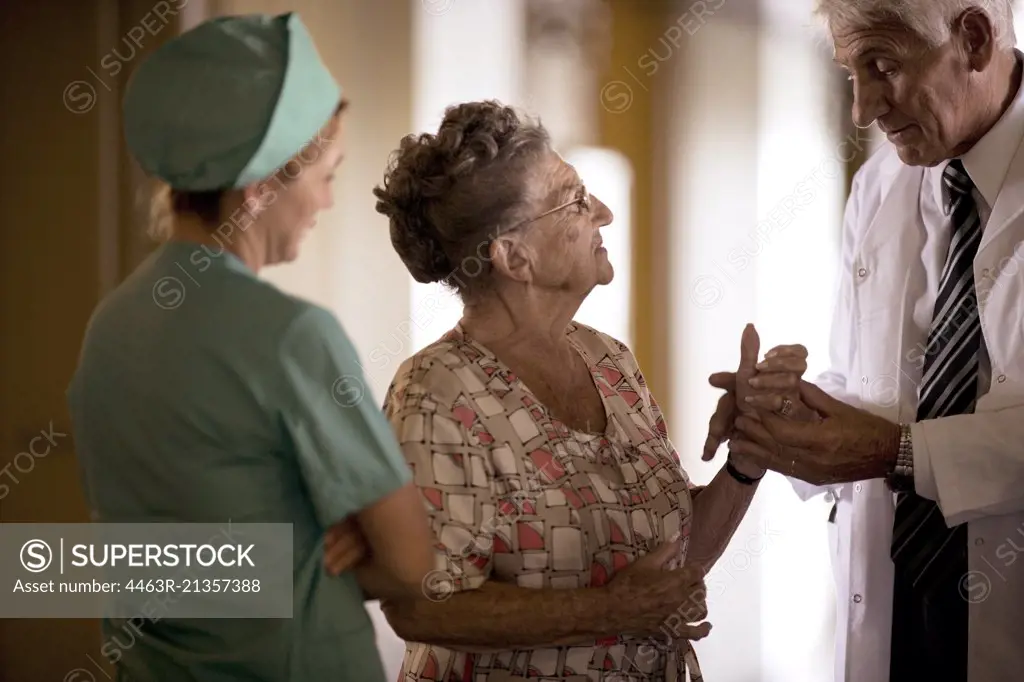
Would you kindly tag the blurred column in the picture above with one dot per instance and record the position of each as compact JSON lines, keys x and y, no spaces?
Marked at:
{"x":712,"y":118}
{"x":567,"y":47}
{"x":66,"y":240}
{"x":625,"y":98}
{"x":794,"y":252}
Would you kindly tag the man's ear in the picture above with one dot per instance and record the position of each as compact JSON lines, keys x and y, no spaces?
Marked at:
{"x":513,"y":258}
{"x":978,"y":37}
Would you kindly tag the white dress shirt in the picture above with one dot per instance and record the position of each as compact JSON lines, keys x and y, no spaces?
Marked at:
{"x":895,"y":240}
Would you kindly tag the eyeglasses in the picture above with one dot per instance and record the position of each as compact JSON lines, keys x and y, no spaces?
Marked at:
{"x":582,"y":199}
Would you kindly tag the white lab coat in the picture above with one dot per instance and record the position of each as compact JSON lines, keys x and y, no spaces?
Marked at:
{"x":975,"y":462}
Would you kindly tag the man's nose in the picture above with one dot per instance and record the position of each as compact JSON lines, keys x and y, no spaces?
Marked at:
{"x":868,"y":102}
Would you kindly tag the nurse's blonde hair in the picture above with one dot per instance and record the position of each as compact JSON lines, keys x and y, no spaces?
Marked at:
{"x":165,"y":203}
{"x":161,"y":216}
{"x":930,"y":19}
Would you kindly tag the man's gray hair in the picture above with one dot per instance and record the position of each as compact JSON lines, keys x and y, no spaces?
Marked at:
{"x":930,"y":19}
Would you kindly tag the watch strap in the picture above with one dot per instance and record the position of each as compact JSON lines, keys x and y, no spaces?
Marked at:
{"x":902,"y":477}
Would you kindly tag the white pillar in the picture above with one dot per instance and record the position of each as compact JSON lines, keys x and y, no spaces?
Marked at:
{"x":793,"y":251}
{"x":713,"y":204}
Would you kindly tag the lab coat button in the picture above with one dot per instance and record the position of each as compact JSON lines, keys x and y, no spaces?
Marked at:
{"x":857,"y":487}
{"x":979,"y":542}
{"x":857,"y":598}
{"x":863,"y":272}
{"x":829,"y":499}
{"x":1001,"y":378}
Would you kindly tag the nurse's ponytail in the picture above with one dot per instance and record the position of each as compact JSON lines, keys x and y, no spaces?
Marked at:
{"x":161,"y":217}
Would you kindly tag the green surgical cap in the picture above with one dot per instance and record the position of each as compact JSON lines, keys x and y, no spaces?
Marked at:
{"x":228,"y":102}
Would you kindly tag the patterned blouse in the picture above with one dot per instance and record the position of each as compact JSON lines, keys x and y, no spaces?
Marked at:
{"x":516,"y":496}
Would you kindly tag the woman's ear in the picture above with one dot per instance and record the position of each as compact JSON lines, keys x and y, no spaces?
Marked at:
{"x":513,"y":258}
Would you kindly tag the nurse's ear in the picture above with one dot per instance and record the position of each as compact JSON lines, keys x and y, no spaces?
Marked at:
{"x":257,"y":197}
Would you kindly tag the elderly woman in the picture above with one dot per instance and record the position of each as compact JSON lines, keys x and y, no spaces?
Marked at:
{"x":542,"y":457}
{"x":206,"y":395}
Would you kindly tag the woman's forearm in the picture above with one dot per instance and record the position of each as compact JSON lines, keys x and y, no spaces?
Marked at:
{"x":717,"y":512}
{"x":499,"y":616}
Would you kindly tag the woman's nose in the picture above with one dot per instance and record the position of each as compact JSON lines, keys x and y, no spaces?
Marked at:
{"x":602,"y":215}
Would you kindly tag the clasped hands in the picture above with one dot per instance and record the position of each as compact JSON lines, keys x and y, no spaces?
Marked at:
{"x":773,"y":419}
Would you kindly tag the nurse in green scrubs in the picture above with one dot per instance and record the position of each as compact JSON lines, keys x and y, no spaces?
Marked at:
{"x":204,"y":393}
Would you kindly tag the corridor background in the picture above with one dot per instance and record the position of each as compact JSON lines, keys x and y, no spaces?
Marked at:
{"x":718,"y":132}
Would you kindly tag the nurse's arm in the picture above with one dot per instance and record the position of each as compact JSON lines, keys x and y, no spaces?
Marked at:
{"x":344,"y":546}
{"x":399,"y":540}
{"x":384,"y":571}
{"x":348,"y":456}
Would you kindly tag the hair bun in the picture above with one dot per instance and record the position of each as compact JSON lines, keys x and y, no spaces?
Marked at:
{"x":418,"y":245}
{"x":415,"y":177}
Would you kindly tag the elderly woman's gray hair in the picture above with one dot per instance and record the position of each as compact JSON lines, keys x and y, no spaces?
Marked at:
{"x":447,"y":195}
{"x":930,"y":19}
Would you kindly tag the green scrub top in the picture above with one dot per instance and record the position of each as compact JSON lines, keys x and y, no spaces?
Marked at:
{"x":205,"y":394}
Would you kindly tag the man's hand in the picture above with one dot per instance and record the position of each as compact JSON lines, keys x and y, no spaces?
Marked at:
{"x":849,"y":444}
{"x":344,"y":546}
{"x":754,"y":385}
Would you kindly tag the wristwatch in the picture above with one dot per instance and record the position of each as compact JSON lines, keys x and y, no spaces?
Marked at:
{"x":901,"y":479}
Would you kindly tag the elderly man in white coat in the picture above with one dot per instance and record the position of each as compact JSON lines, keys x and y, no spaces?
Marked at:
{"x":917,"y":428}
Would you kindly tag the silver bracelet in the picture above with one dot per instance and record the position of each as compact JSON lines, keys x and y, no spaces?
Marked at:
{"x":902,"y":478}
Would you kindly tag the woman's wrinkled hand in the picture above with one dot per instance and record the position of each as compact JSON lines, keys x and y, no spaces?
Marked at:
{"x":344,"y":547}
{"x":664,"y":600}
{"x":765,"y":385}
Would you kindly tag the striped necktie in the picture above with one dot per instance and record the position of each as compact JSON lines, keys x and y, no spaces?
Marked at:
{"x":930,"y":559}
